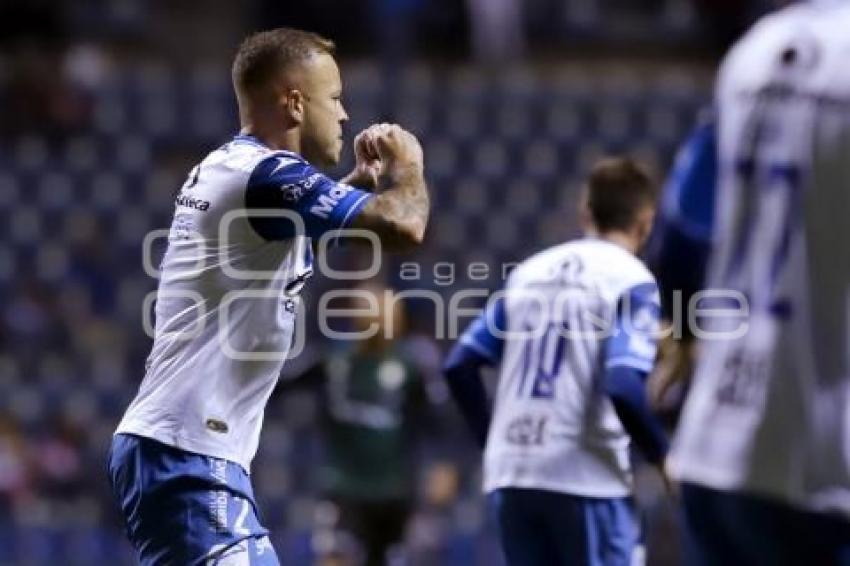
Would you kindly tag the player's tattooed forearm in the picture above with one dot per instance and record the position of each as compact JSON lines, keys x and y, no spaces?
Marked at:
{"x":401,"y":210}
{"x":412,"y":193}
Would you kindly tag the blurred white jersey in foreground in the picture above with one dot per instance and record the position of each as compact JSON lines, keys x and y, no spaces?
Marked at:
{"x":769,"y":411}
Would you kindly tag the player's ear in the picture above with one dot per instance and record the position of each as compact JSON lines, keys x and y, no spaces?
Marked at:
{"x":293,"y":104}
{"x":585,"y":217}
{"x":645,"y":221}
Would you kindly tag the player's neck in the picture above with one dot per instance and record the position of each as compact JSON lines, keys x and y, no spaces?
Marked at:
{"x":277,"y":139}
{"x":623,"y":239}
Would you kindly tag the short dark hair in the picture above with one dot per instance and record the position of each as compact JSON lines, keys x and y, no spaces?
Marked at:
{"x":264,"y":54}
{"x":617,"y":190}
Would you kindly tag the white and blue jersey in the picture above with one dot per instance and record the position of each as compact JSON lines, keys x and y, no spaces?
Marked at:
{"x":569,"y":317}
{"x":239,"y":252}
{"x":573,"y":337}
{"x":769,"y":410}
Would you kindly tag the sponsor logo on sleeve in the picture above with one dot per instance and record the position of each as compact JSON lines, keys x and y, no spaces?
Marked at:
{"x":328,"y":201}
{"x":294,"y":192}
{"x":642,"y":333}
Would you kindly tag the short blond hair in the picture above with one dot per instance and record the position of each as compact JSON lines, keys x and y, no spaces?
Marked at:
{"x":263,"y":55}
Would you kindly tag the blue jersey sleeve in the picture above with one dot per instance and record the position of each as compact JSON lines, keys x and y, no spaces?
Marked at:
{"x":629,"y":357}
{"x":633,"y":344}
{"x":688,"y":201}
{"x":462,"y":372}
{"x":285,"y":182}
{"x":486,"y":333}
{"x":680,"y":246}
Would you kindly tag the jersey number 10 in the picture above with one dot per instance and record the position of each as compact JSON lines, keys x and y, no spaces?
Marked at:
{"x":541,"y":359}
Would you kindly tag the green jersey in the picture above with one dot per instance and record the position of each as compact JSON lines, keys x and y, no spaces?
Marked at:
{"x":370,"y":403}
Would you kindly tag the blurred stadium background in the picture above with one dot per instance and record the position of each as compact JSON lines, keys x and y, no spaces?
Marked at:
{"x":106,"y":104}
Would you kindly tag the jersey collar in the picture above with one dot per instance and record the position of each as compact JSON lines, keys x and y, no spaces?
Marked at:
{"x":248,"y":138}
{"x":252,"y":140}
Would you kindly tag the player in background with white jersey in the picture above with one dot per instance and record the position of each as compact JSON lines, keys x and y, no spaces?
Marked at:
{"x":239,"y":252}
{"x":573,"y":338}
{"x":763,"y":445}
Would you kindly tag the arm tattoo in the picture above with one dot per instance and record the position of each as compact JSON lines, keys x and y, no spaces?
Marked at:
{"x":399,"y":213}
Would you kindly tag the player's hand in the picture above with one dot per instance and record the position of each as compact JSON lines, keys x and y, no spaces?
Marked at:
{"x":395,"y":147}
{"x":367,"y":165}
{"x":670,"y":484}
{"x":674,"y":368}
